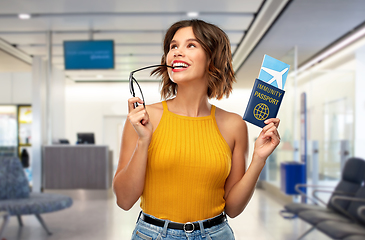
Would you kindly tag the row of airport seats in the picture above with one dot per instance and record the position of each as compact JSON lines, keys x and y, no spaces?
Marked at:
{"x":343,"y":216}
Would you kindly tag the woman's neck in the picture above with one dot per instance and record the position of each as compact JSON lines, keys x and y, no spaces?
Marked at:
{"x":191,"y":103}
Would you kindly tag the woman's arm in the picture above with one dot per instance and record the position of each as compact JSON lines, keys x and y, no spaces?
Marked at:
{"x":128,"y":182}
{"x":240,"y":185}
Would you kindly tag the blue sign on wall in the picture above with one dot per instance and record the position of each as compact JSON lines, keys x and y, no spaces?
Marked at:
{"x":98,"y":54}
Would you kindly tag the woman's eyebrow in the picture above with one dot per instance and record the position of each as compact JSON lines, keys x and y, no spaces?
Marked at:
{"x":188,"y":40}
{"x":191,"y":39}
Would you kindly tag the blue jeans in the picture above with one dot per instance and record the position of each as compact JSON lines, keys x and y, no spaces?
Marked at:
{"x":146,"y":231}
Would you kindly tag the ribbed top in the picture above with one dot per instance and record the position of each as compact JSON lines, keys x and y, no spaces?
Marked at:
{"x":188,"y":164}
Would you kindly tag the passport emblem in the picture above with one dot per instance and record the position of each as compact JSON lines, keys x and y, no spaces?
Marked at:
{"x":261,"y":111}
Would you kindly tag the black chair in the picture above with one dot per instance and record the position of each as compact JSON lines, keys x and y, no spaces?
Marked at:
{"x":355,"y":237}
{"x":354,"y":213}
{"x":352,"y":177}
{"x":351,"y":180}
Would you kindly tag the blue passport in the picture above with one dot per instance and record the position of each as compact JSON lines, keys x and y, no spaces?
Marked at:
{"x":263,"y":104}
{"x":267,"y":92}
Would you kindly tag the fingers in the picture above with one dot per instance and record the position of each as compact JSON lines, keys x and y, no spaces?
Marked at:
{"x":272,"y":134}
{"x":132,"y":101}
{"x":268,"y":126}
{"x":270,"y":130}
{"x":276,"y":121}
{"x":138,"y":116}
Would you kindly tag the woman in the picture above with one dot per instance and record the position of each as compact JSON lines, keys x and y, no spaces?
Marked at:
{"x":184,"y":157}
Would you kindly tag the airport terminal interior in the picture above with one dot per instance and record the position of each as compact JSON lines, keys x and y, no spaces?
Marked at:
{"x":64,"y":85}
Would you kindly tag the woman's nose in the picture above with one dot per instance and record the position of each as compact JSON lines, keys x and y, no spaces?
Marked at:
{"x":178,"y":53}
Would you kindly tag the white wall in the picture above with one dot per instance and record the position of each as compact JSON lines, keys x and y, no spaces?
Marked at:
{"x":87,"y":104}
{"x":15,"y":88}
{"x":58,"y":94}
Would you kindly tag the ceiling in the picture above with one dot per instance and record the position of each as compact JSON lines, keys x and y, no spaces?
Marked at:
{"x":137,"y":27}
{"x":310,"y":25}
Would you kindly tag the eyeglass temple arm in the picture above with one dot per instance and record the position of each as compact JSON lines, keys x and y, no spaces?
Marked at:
{"x":133,"y":79}
{"x":151,"y":67}
{"x":135,"y":105}
{"x":131,"y":88}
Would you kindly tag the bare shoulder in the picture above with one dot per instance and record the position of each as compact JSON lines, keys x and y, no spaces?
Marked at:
{"x":155,"y":112}
{"x":230,"y":119}
{"x":155,"y":107}
{"x":231,"y":125}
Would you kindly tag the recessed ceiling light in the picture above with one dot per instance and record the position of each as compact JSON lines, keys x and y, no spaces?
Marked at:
{"x":192,"y":14}
{"x":24,"y":16}
{"x":99,"y":76}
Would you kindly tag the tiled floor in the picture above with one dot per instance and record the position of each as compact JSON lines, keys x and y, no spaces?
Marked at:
{"x":95,"y":216}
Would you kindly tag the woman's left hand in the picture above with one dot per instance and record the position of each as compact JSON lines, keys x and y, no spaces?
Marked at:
{"x":268,"y":139}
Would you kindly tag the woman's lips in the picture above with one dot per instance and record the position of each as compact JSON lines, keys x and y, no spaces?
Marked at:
{"x":179,"y":69}
{"x":179,"y":66}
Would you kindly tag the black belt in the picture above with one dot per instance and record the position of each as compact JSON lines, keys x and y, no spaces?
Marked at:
{"x":187,"y":227}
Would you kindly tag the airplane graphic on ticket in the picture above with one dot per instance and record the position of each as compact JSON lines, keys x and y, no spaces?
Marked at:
{"x":274,"y":72}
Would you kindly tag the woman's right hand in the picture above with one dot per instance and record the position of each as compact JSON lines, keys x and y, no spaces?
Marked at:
{"x":139,"y":119}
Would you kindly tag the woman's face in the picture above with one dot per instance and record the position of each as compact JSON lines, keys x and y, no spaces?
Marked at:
{"x":187,"y":57}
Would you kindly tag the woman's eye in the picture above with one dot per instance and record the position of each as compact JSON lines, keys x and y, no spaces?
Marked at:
{"x":173,"y":47}
{"x":191,"y":45}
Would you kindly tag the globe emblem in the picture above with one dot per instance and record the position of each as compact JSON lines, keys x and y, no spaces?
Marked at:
{"x":261,"y":111}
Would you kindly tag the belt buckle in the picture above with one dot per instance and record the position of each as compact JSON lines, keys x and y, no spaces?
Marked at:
{"x":189,"y":231}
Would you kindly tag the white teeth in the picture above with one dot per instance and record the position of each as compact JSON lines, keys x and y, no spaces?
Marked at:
{"x":180,"y":64}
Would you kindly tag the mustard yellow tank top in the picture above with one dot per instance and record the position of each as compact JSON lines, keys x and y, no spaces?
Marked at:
{"x":188,"y":164}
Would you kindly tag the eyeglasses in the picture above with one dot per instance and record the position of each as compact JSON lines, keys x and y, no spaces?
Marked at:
{"x":132,"y":80}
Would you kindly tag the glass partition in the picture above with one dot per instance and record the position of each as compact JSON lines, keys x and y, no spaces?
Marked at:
{"x":330,"y":124}
{"x":8,"y":131}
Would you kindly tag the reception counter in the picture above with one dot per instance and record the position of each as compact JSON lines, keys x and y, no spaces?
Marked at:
{"x":77,"y":166}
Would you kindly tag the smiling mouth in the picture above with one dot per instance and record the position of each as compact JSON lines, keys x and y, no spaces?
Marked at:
{"x":180,"y":65}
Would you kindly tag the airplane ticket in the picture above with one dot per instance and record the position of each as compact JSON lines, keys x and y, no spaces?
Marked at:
{"x":274,"y":72}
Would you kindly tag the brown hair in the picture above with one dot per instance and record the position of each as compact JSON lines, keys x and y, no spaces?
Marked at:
{"x":217,"y":47}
